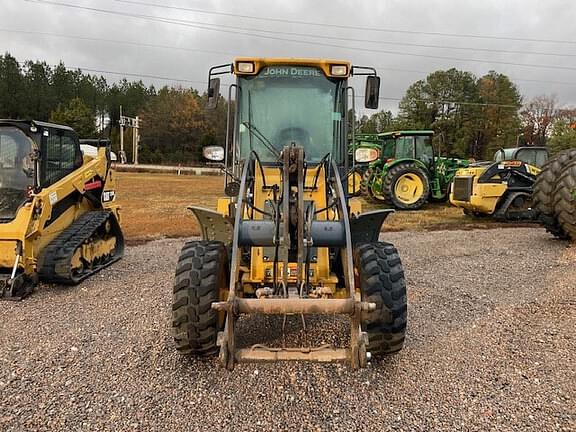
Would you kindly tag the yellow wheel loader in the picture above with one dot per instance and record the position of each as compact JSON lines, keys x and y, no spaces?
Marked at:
{"x":288,"y":240}
{"x":501,"y":188}
{"x":59,"y":221}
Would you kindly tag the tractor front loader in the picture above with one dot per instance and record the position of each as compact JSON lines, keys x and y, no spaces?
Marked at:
{"x":59,"y":222}
{"x":289,"y":240}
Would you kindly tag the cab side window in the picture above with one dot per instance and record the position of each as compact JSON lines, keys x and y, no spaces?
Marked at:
{"x":60,"y":156}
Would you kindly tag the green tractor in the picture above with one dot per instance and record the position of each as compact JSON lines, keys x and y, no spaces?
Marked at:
{"x":406,"y":172}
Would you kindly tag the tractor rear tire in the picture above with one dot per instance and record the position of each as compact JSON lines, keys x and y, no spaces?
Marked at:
{"x":413,"y":173}
{"x":381,"y":279}
{"x":565,"y":201}
{"x":366,"y":187}
{"x":543,"y":200}
{"x":201,"y":277}
{"x":365,"y":184}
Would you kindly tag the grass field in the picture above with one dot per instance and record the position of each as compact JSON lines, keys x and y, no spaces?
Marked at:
{"x":154,"y":206}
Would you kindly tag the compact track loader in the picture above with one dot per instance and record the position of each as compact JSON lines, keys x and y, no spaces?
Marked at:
{"x":288,"y":240}
{"x":59,"y":222}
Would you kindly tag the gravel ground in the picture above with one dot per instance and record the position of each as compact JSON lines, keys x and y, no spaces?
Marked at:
{"x":490,"y":346}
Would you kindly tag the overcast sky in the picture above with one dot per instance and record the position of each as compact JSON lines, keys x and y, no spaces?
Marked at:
{"x":388,"y":34}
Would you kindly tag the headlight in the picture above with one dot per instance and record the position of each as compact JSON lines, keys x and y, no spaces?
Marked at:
{"x":366,"y":155}
{"x":214,"y":153}
{"x":338,"y":70}
{"x":245,"y":67}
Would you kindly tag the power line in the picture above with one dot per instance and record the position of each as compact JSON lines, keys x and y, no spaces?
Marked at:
{"x":187,"y":49}
{"x":123,"y":42}
{"x":350,"y":39}
{"x":192,"y":24}
{"x":363,"y":28}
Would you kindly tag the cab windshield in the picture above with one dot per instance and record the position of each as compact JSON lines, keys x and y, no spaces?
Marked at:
{"x":16,"y":170}
{"x":290,"y":105}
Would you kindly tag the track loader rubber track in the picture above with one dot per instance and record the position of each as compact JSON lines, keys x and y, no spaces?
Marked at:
{"x":55,"y":262}
{"x":544,"y":188}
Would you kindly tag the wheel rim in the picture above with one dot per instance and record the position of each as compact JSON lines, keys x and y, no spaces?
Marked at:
{"x":409,"y":188}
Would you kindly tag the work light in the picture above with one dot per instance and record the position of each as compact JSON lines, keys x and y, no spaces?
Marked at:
{"x":213,"y":153}
{"x":366,"y":155}
{"x":245,"y":67}
{"x":338,"y":70}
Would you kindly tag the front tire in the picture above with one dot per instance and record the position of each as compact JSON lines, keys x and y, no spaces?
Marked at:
{"x":201,"y":278}
{"x":381,"y":280}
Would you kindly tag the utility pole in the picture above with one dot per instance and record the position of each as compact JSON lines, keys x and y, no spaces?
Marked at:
{"x":122,"y":152}
{"x":136,"y":139}
{"x":133,"y":123}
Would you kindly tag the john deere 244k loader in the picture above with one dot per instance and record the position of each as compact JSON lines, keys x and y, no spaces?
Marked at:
{"x":288,"y":240}
{"x":59,"y":221}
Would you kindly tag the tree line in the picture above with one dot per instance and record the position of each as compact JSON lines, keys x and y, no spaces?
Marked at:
{"x":472,"y":117}
{"x":175,"y":124}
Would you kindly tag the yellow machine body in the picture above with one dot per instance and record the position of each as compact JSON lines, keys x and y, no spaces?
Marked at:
{"x":49,"y":211}
{"x":488,"y":185}
{"x":484,"y":197}
{"x":261,"y":262}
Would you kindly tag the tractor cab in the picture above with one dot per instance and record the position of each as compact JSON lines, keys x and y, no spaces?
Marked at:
{"x":408,"y":145}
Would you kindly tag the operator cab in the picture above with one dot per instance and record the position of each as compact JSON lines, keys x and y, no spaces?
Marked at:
{"x":408,"y":145}
{"x":33,"y":155}
{"x":535,"y":156}
{"x":281,"y":103}
{"x":16,"y":170}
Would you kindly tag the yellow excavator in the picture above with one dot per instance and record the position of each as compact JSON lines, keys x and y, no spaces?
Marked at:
{"x":59,"y":220}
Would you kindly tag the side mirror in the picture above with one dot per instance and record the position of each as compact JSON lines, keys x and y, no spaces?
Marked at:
{"x":213,"y":93}
{"x":214,"y":153}
{"x":372,"y":92}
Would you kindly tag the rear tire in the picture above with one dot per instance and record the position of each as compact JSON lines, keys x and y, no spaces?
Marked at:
{"x":201,"y":278}
{"x":365,"y":184}
{"x":565,"y":201}
{"x":395,"y":174}
{"x":543,"y":199}
{"x":381,"y":280}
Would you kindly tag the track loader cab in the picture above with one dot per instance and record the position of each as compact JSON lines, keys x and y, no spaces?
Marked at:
{"x":288,"y":240}
{"x":58,"y":218}
{"x":502,"y":188}
{"x":16,"y":171}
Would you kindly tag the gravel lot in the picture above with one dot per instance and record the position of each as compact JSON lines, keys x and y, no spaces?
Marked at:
{"x":491,"y":346}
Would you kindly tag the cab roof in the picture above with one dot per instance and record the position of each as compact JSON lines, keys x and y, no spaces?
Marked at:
{"x":37,"y":123}
{"x":406,"y":133}
{"x":323,"y":64}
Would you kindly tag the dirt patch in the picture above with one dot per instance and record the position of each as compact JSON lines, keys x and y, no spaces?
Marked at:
{"x":154,"y":207}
